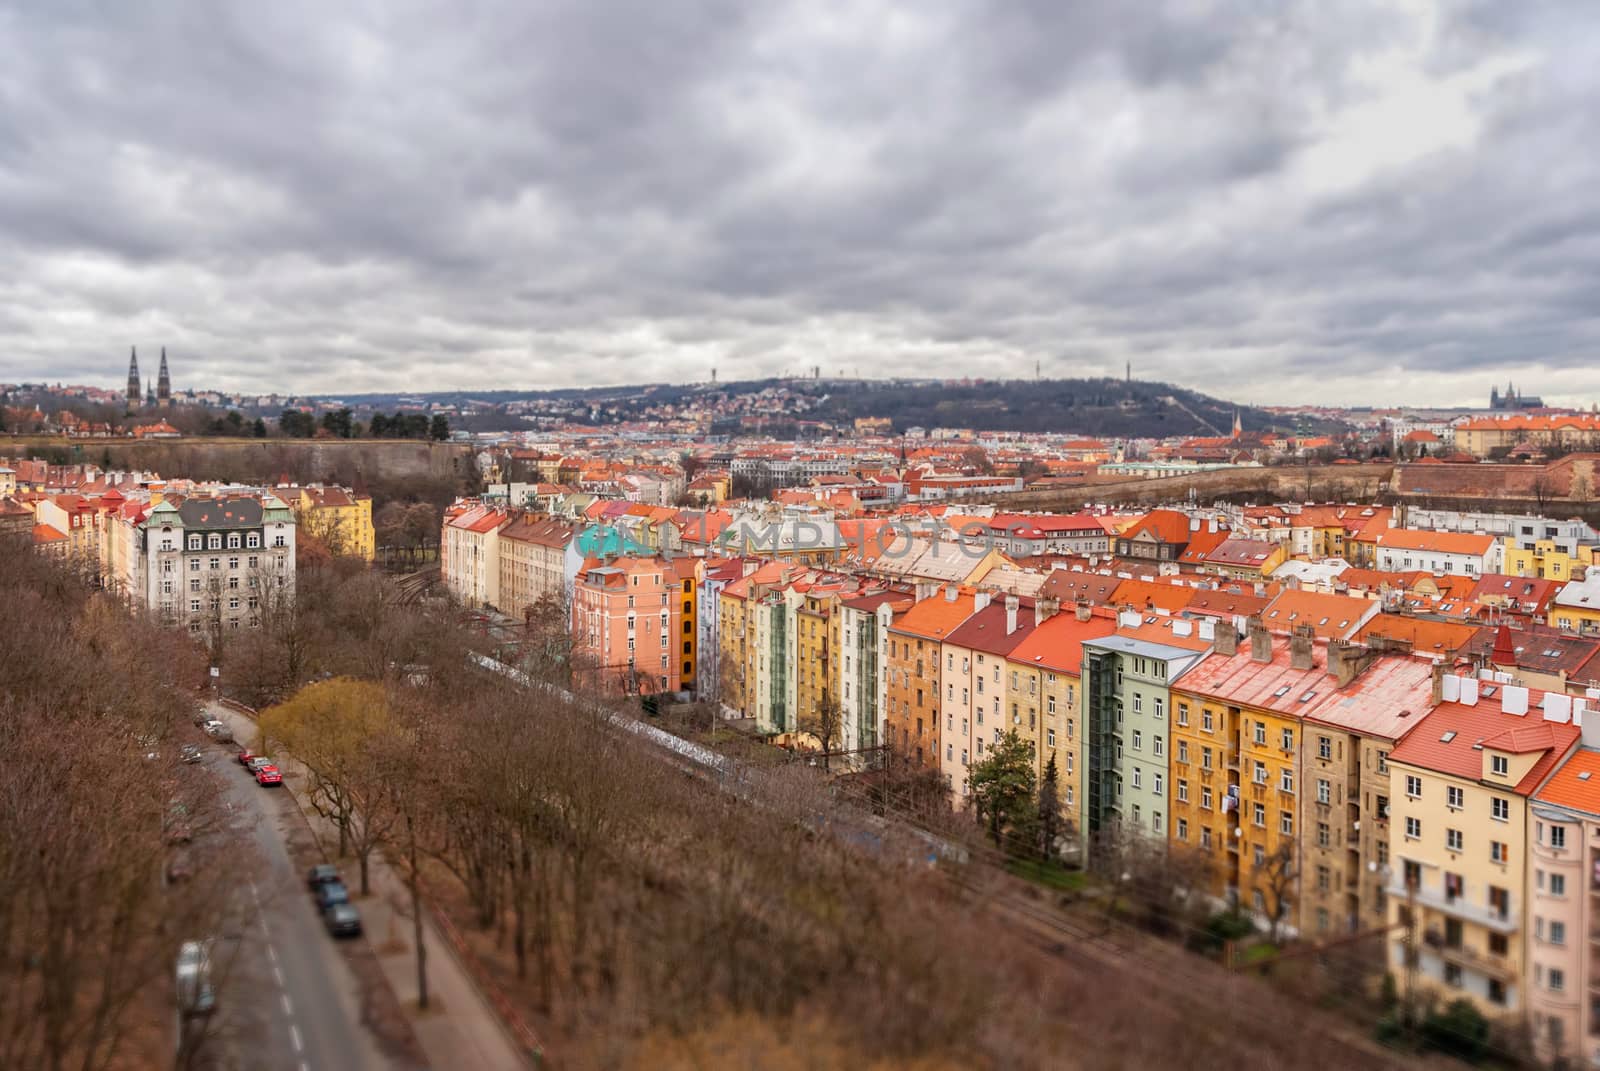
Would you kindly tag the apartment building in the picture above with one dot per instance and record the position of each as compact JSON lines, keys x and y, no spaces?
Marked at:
{"x":862,"y":657}
{"x":533,"y":561}
{"x":915,"y":673}
{"x":1127,"y":678}
{"x":974,"y":679}
{"x":1045,"y":675}
{"x":627,"y":624}
{"x":213,"y":564}
{"x":1563,"y":897}
{"x":1401,"y":550}
{"x":1459,"y":834}
{"x":469,"y":554}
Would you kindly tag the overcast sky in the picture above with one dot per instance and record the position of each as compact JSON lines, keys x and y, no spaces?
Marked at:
{"x":1272,"y":201}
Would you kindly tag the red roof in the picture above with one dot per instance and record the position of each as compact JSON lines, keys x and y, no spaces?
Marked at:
{"x":1451,"y":739}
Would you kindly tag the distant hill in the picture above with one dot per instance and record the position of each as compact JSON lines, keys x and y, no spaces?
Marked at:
{"x":1094,"y":407}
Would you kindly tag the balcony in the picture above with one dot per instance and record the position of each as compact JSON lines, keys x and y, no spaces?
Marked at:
{"x":1479,"y":914}
{"x":1473,"y":960}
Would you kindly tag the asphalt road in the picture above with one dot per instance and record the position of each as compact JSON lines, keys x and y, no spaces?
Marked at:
{"x":287,"y":999}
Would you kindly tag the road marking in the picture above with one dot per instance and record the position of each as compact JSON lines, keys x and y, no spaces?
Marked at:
{"x":304,"y":1066}
{"x":288,"y":1008}
{"x":294,"y":1038}
{"x":272,"y":954}
{"x":277,"y":972}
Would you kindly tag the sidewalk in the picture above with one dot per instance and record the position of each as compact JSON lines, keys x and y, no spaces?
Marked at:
{"x":460,"y":1027}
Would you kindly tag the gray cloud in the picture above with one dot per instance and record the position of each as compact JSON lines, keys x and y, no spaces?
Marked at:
{"x":1271,"y":201}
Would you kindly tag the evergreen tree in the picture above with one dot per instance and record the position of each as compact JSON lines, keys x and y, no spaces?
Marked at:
{"x":259,"y":428}
{"x":1049,"y":809}
{"x":440,"y":428}
{"x":1002,"y":786}
{"x":379,"y":428}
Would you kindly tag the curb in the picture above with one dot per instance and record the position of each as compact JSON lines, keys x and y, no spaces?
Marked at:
{"x":522,"y":1035}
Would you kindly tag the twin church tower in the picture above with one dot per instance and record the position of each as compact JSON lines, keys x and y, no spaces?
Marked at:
{"x":160,"y":397}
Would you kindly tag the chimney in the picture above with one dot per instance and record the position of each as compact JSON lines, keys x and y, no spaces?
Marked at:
{"x":1227,"y":638}
{"x":1347,"y":661}
{"x":1011,"y":614}
{"x":1260,"y":640}
{"x":1082,"y":610}
{"x":1301,"y":645}
{"x":950,"y":593}
{"x":1438,"y":683}
{"x":1044,"y":609}
{"x":981,"y":600}
{"x":1590,"y":727}
{"x":1469,"y":691}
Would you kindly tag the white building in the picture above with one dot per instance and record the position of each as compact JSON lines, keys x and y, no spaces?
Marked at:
{"x":1405,"y":550}
{"x":214,"y":564}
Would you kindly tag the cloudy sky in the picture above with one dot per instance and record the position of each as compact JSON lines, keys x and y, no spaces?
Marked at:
{"x":1269,"y":200}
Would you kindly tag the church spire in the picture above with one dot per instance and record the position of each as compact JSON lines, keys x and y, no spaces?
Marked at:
{"x":134,"y":394}
{"x":163,"y":382}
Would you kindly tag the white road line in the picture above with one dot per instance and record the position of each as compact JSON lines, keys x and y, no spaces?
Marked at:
{"x":277,"y":972}
{"x":272,"y":953}
{"x":304,"y":1066}
{"x":288,"y":1008}
{"x":294,"y":1038}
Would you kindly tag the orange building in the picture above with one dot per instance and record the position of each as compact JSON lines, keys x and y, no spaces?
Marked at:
{"x":627,"y":624}
{"x":915,"y":640}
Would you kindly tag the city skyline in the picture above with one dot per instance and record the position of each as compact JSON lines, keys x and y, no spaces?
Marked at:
{"x":1280,"y":206}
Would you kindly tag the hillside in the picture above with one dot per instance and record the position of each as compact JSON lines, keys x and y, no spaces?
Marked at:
{"x":1097,"y":407}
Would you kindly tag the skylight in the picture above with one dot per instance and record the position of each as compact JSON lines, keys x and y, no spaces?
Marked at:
{"x":1447,"y":737}
{"x":1281,"y":692}
{"x":1308,"y":697}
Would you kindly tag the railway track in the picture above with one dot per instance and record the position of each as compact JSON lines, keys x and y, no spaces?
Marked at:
{"x":413,"y":586}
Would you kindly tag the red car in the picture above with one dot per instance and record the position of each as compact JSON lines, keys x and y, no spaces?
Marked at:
{"x":269,"y":775}
{"x":245,"y":755}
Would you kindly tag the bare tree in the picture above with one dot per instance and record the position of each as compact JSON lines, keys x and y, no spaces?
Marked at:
{"x":1276,"y":877}
{"x":824,"y":723}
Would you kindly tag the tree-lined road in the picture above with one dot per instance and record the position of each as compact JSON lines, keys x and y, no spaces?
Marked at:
{"x":288,"y":999}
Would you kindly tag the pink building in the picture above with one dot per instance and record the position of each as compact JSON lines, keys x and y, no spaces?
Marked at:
{"x":1563,"y":900}
{"x":628,"y":623}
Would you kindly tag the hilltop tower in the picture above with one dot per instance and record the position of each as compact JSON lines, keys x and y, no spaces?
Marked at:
{"x":1238,"y":428}
{"x":135,"y":396}
{"x":163,"y":383}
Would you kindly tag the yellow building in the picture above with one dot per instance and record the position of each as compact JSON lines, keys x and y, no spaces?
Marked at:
{"x":1235,"y":766}
{"x":1458,"y":835}
{"x":1576,"y":606}
{"x":1545,"y":560}
{"x":338,"y":517}
{"x":1044,"y":674}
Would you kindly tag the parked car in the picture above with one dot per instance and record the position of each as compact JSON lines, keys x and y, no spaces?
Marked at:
{"x":321,"y":874}
{"x":256,"y":762}
{"x":201,"y":716}
{"x":268,"y":775}
{"x":342,"y":920}
{"x":330,"y":893}
{"x":195,"y":995}
{"x":218,"y":731}
{"x":245,"y":755}
{"x":192,"y":753}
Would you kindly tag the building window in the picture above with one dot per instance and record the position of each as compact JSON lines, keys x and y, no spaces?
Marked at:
{"x":1260,"y":772}
{"x":1261,"y":815}
{"x":1183,"y":791}
{"x":1157,"y":745}
{"x":1286,"y":823}
{"x":1497,"y":851}
{"x":1261,"y":733}
{"x":195,"y":543}
{"x":1205,"y":719}
{"x":253,"y":540}
{"x":1205,"y":758}
{"x":1183,"y":751}
{"x":1556,"y":979}
{"x":1138,"y":740}
{"x":1453,"y":797}
{"x":1138,"y":777}
{"x":1413,"y":787}
{"x":1558,"y":932}
{"x":1183,"y":713}
{"x":1558,"y":837}
{"x":1155,"y":783}
{"x":233,"y":540}
{"x":1205,"y":797}
{"x":1324,"y":747}
{"x":1499,"y":765}
{"x":1288,"y":740}
{"x":1452,"y":839}
{"x":1286,"y":780}
{"x":1413,"y":827}
{"x":1324,"y":791}
{"x":1500,"y":809}
{"x":1050,"y":738}
{"x":1558,"y":885}
{"x":1183,"y":829}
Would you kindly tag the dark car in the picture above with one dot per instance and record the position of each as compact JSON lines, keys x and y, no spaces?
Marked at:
{"x":192,"y":753}
{"x":321,"y":874}
{"x":330,"y":893}
{"x":342,"y":920}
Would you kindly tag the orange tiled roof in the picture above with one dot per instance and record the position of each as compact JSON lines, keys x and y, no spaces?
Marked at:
{"x":1575,"y":783}
{"x":1331,"y":616}
{"x":936,"y":617}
